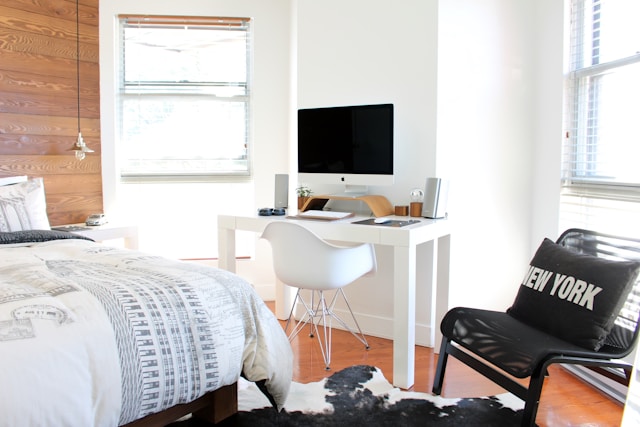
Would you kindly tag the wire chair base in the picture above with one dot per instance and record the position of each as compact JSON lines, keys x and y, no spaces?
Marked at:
{"x":319,"y":315}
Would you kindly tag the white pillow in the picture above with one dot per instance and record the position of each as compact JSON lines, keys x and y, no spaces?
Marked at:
{"x":23,"y":206}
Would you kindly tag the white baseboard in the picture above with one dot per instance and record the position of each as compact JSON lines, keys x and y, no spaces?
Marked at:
{"x":376,"y":326}
{"x":380,"y":327}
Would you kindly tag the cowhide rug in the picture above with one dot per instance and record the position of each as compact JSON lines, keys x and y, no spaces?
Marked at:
{"x":361,"y":396}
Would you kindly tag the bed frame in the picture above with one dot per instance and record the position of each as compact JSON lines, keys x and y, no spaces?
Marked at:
{"x":213,"y":407}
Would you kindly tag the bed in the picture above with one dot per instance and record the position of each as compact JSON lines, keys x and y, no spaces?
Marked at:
{"x":93,"y":335}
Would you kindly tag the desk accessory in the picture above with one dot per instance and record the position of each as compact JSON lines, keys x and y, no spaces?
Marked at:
{"x":435,"y":198}
{"x":96,"y":219}
{"x":390,"y":223}
{"x":281,"y":194}
{"x":415,"y":207}
{"x":402,"y":210}
{"x":272,"y":211}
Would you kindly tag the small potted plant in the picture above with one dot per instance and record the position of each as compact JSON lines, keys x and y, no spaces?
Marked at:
{"x":303,"y":193}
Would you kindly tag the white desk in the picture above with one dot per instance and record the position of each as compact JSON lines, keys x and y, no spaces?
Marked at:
{"x":404,"y":241}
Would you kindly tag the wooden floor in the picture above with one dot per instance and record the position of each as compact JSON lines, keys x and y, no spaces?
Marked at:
{"x":566,"y":400}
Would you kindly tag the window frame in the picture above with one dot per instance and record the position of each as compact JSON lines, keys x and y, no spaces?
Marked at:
{"x":608,"y":204}
{"x":206,"y":90}
{"x":578,"y":146}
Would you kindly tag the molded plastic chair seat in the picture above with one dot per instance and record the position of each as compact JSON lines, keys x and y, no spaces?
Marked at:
{"x":303,"y":260}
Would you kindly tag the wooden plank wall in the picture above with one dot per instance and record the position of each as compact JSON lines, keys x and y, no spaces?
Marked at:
{"x":39,"y":104}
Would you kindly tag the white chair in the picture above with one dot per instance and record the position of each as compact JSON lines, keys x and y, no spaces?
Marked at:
{"x":303,"y":260}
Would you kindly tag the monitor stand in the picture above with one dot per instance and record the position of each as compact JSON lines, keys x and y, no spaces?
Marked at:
{"x":379,"y":205}
{"x":353,"y":191}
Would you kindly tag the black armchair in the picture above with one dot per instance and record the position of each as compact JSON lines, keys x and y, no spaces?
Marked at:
{"x":578,"y":304}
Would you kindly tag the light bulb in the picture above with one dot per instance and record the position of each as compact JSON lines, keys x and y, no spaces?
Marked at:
{"x":81,"y":148}
{"x":416,"y":195}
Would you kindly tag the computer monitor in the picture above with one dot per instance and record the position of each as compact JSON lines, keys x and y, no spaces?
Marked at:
{"x":346,"y":145}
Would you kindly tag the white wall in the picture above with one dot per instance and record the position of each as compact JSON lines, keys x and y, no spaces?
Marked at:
{"x":375,"y":51}
{"x":500,"y":80}
{"x":548,"y":85}
{"x":477,"y":93}
{"x":497,"y":87}
{"x":178,"y":220}
{"x":485,"y":126}
{"x":367,"y":52}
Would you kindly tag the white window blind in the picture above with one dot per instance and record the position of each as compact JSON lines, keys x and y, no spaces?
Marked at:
{"x":184,"y":97}
{"x":600,"y":173}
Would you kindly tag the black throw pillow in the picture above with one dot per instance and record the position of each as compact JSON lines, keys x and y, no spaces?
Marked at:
{"x":573,"y":296}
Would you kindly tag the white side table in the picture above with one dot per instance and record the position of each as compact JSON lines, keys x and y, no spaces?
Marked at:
{"x":108,"y":231}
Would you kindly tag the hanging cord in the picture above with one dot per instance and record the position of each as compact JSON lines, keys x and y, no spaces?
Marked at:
{"x":78,"y":57}
{"x":79,"y":147}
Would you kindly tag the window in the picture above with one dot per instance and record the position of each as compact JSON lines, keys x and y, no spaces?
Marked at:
{"x":600,"y":173}
{"x":184,"y":97}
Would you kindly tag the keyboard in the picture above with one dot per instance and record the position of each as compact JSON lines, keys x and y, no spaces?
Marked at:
{"x":328,"y":215}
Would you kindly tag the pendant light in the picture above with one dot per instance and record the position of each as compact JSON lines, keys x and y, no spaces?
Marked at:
{"x":79,"y":147}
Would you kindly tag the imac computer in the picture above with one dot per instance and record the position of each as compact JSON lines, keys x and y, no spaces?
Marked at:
{"x":350,"y":146}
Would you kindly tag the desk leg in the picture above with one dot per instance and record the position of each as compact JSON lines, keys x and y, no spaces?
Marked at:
{"x":442,"y":253}
{"x":227,"y":249}
{"x":404,"y":315}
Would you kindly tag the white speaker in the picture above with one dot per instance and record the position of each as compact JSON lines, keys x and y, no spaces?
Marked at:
{"x":281,"y":198}
{"x":436,"y":193}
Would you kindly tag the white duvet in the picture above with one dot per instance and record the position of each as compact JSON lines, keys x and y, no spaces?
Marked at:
{"x":97,"y":336}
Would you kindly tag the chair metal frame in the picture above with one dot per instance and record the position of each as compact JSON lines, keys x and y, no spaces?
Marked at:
{"x":321,"y":313}
{"x":304,"y":260}
{"x":498,"y":328}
